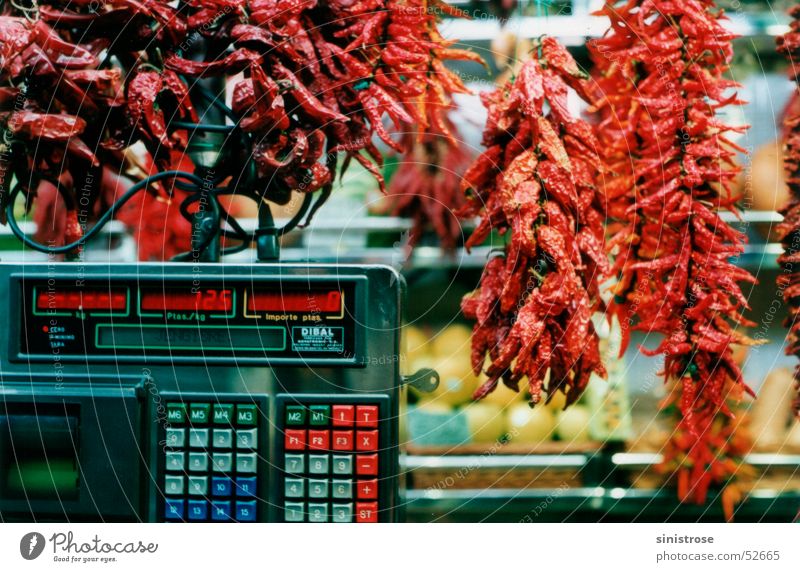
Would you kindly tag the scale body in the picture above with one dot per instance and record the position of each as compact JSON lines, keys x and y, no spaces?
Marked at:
{"x":199,"y":392}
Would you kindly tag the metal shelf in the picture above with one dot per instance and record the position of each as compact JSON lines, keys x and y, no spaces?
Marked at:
{"x":503,"y":462}
{"x":608,"y":500}
{"x":589,"y":504}
{"x":575,"y":29}
{"x":327,"y":240}
{"x":757,"y":460}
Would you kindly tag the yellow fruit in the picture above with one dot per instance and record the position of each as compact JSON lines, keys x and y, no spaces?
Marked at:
{"x":433,"y":407}
{"x":457,"y":383}
{"x":558,"y":402}
{"x":415,"y":343}
{"x":503,"y":396}
{"x":767,"y":188}
{"x":503,"y":46}
{"x":572,"y":425}
{"x":526,"y":425}
{"x":740,"y":354}
{"x":771,"y":413}
{"x":454,"y":340}
{"x":486,"y":422}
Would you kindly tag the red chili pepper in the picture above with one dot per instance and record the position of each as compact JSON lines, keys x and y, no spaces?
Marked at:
{"x":658,"y":83}
{"x":789,"y":229}
{"x":143,"y":92}
{"x":67,"y":117}
{"x":316,"y":82}
{"x":534,"y":306}
{"x":426,"y":186}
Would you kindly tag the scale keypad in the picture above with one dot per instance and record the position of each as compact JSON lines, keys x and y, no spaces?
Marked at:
{"x":331,"y":462}
{"x":211,"y":462}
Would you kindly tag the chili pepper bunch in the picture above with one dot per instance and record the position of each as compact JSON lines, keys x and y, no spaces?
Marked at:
{"x":535,"y":184}
{"x":426,"y":186}
{"x":57,"y":109}
{"x":321,"y":77}
{"x":789,"y":228}
{"x":66,"y":108}
{"x":659,"y":85}
{"x":318,"y":79}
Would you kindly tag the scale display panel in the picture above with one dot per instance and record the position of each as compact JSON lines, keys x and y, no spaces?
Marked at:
{"x":157,"y":318}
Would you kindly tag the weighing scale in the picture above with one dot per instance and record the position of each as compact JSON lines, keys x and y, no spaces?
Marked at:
{"x":195,"y":390}
{"x":200,"y":392}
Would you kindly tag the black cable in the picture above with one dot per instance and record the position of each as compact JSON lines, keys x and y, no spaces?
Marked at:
{"x":184,"y":210}
{"x":101,"y":222}
{"x":215,"y":101}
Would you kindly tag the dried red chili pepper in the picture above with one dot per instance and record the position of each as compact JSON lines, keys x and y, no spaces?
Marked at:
{"x":789,"y":229}
{"x":329,"y":74}
{"x":319,"y":80}
{"x":426,"y":186}
{"x":536,"y":185}
{"x":659,"y":83}
{"x":64,"y":116}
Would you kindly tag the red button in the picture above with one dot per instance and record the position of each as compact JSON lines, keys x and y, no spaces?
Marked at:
{"x":295,"y":440}
{"x":367,"y":464}
{"x":367,"y":416}
{"x":319,"y":440}
{"x":366,"y":512}
{"x":366,"y":440}
{"x":343,"y":415}
{"x":342,"y":440}
{"x":368,"y":489}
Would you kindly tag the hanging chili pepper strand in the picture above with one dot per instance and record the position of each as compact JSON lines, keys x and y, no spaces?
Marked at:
{"x":535,"y":184}
{"x":426,"y":186}
{"x":320,"y":78}
{"x":659,"y":84}
{"x":60,"y":112}
{"x":789,"y":229}
{"x":67,"y":111}
{"x":404,"y":46}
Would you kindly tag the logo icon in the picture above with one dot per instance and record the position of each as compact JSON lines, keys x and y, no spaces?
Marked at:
{"x":31,"y":546}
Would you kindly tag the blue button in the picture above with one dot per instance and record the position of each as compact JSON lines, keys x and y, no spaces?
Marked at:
{"x":173,"y":509}
{"x":198,"y":510}
{"x":246,"y":511}
{"x":220,"y":486}
{"x":220,"y":510}
{"x":246,"y":487}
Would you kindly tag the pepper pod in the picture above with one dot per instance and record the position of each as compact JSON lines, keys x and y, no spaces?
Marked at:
{"x":658,"y":87}
{"x":535,"y":186}
{"x":789,"y":229}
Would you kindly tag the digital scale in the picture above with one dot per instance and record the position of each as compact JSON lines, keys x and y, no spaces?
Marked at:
{"x":200,"y":392}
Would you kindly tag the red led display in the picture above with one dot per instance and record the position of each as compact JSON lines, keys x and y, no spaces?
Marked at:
{"x":310,"y":302}
{"x":82,"y":299}
{"x":183,"y":300}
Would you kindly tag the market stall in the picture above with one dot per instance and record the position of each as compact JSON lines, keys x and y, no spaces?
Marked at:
{"x":545,"y":249}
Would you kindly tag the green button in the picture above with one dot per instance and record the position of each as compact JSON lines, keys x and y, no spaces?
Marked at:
{"x":246,"y":415}
{"x":223,"y":413}
{"x":320,"y":414}
{"x":199,"y":412}
{"x":295,"y":415}
{"x":176,"y":413}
